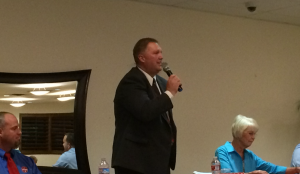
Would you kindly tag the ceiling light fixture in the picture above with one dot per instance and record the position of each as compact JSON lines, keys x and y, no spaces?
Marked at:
{"x":17,"y":99}
{"x":39,"y":92}
{"x":62,"y":93}
{"x":40,"y":85}
{"x":18,"y":104}
{"x":65,"y":98}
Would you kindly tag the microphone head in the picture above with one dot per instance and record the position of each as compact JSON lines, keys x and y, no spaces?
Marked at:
{"x":165,"y":66}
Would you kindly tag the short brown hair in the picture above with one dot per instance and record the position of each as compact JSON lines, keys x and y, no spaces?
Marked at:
{"x":70,"y":139}
{"x":141,"y":46}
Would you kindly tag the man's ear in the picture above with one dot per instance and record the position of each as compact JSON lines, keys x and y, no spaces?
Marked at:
{"x":1,"y":132}
{"x":141,"y":58}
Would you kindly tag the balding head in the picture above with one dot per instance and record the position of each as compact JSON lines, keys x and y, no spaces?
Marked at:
{"x":2,"y":121}
{"x":10,"y":133}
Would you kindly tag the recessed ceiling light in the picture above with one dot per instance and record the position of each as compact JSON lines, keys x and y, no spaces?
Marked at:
{"x":17,"y":104}
{"x":40,"y":85}
{"x":65,"y":98}
{"x":17,"y":99}
{"x":39,"y":92}
{"x":63,"y":92}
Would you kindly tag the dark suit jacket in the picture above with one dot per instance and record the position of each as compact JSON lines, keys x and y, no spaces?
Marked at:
{"x":143,"y":137}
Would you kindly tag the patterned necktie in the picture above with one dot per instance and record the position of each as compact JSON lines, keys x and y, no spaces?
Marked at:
{"x":154,"y":87}
{"x":157,"y":93}
{"x":11,"y":165}
{"x":165,"y":115}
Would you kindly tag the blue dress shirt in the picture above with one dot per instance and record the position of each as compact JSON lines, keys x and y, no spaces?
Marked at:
{"x":24,"y":164}
{"x":67,"y":160}
{"x":296,"y":157}
{"x":229,"y":158}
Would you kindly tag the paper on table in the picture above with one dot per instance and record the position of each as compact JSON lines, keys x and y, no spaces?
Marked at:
{"x":195,"y":172}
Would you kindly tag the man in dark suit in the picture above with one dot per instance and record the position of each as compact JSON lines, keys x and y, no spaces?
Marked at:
{"x":145,"y":132}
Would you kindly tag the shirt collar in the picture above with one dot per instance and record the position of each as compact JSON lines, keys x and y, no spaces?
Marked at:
{"x":2,"y":152}
{"x":149,"y":78}
{"x":13,"y":151}
{"x":72,"y":149}
{"x":230,"y":148}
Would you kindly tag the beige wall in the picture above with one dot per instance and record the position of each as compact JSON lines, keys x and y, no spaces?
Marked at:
{"x":227,"y":65}
{"x":53,"y":107}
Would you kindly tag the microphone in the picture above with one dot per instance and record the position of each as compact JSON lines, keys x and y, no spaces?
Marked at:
{"x":167,"y":69}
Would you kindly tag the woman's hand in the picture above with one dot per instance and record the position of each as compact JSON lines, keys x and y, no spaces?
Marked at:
{"x":258,"y":172}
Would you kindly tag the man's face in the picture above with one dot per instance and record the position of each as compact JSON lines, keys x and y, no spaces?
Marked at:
{"x":66,"y":144}
{"x":151,"y":58}
{"x":10,"y":133}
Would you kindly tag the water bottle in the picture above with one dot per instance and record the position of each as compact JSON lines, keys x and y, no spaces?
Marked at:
{"x":103,"y":167}
{"x":215,"y":166}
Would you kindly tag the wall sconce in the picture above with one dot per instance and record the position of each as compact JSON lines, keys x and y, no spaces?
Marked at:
{"x":39,"y":92}
{"x":18,"y":104}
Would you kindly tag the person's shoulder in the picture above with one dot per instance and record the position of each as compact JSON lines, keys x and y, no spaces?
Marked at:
{"x":67,"y":155}
{"x":227,"y":147}
{"x":18,"y":154}
{"x":224,"y":145}
{"x":134,"y":76}
{"x":298,"y":146}
{"x":71,"y":151}
{"x":250,"y":152}
{"x":21,"y":157}
{"x":161,"y":79}
{"x":64,"y":154}
{"x":297,"y":149}
{"x":134,"y":73}
{"x":220,"y":148}
{"x":63,"y":157}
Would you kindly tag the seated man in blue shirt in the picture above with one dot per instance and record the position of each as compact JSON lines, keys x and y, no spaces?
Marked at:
{"x":68,"y":158}
{"x":296,"y":157}
{"x":11,"y":161}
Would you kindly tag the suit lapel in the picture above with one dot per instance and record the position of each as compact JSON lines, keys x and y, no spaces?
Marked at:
{"x":162,"y":86}
{"x":162,"y":90}
{"x":141,"y":75}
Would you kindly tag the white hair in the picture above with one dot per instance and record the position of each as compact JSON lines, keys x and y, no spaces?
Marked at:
{"x":241,"y":123}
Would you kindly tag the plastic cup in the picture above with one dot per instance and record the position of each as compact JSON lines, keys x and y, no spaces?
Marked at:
{"x":225,"y":170}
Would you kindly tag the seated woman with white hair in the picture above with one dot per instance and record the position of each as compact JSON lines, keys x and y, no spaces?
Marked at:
{"x":235,"y":155}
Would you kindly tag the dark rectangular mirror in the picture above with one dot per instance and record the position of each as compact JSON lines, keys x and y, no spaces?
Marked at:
{"x":74,"y":79}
